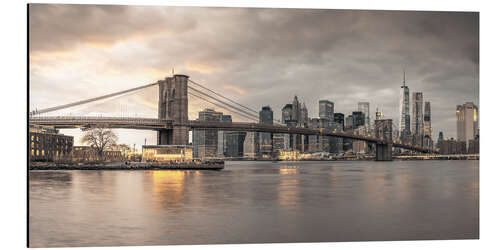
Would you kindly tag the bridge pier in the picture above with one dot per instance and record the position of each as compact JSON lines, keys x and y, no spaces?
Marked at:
{"x":383,"y":130}
{"x":383,"y":152}
{"x":173,"y":105}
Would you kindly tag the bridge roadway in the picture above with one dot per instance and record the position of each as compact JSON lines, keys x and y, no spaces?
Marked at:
{"x":65,"y":122}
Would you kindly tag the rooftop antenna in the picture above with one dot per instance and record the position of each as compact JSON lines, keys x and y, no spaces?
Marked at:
{"x":404,"y":77}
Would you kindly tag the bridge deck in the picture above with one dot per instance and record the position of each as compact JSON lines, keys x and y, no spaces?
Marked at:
{"x":64,"y":122}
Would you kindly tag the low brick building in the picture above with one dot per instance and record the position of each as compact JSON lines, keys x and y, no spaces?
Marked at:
{"x":46,"y":144}
{"x":86,"y":154}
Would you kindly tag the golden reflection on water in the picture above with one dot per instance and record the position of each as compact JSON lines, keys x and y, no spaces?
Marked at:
{"x":168,"y":188}
{"x":285,"y":171}
{"x":288,"y":187}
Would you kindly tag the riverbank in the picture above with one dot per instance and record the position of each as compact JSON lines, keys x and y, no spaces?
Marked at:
{"x":129,"y":166}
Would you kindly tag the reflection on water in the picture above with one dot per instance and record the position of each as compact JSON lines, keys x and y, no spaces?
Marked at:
{"x":251,"y":202}
{"x":168,"y":188}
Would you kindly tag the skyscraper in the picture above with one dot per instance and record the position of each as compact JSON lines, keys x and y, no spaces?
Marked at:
{"x":427,"y":125}
{"x":378,"y":115}
{"x":326,"y":109}
{"x":417,"y":117}
{"x":365,"y":108}
{"x":404,"y":111}
{"x":296,"y":109}
{"x":266,"y":117}
{"x":339,"y":118}
{"x":205,"y":141}
{"x":358,"y":119}
{"x":286,"y":113}
{"x":222,"y":147}
{"x":467,"y":122}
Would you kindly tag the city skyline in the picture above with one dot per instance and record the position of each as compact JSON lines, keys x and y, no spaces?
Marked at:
{"x":259,"y":63}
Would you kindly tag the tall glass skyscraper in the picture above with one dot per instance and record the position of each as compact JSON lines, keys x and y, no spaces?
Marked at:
{"x":467,"y":122}
{"x":365,"y":108}
{"x":326,"y":109}
{"x":427,"y":125}
{"x":418,"y":117}
{"x":266,"y":117}
{"x":404,"y":111}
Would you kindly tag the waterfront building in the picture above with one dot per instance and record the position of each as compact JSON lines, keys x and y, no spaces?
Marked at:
{"x":88,"y":154}
{"x":451,"y":146}
{"x":281,"y":142}
{"x":427,"y":126}
{"x":235,"y":143}
{"x":404,"y":111}
{"x":365,"y":108}
{"x":417,"y":118}
{"x":205,"y":141}
{"x":46,"y":144}
{"x":266,"y":142}
{"x":473,"y":146}
{"x":251,"y":147}
{"x":222,"y":147}
{"x":319,"y":143}
{"x":289,"y":155}
{"x":326,"y":109}
{"x":167,"y":153}
{"x":467,"y":122}
{"x":336,"y":143}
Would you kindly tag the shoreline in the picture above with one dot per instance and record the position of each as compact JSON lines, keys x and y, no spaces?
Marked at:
{"x":129,"y":166}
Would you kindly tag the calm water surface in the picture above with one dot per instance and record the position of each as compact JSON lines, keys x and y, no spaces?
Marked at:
{"x":256,"y":202}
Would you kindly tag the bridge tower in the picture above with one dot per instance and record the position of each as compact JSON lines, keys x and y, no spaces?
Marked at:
{"x":383,"y":130}
{"x":173,"y":105}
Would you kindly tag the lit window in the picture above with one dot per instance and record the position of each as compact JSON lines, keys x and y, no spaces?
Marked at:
{"x":43,"y":152}
{"x":32,"y":152}
{"x":37,"y":152}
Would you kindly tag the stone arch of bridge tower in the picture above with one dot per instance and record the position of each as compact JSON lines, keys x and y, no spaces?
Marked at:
{"x":173,"y":105}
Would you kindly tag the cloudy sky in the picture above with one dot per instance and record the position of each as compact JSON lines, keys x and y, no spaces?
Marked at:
{"x":256,"y":56}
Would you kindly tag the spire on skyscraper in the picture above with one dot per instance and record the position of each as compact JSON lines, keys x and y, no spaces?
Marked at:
{"x":404,"y":77}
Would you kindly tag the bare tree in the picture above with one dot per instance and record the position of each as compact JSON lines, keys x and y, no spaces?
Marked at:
{"x":99,"y":139}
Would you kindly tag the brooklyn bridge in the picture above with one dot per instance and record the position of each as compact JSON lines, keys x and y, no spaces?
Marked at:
{"x":173,"y":125}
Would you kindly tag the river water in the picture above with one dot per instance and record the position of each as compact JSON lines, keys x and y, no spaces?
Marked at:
{"x":256,"y":202}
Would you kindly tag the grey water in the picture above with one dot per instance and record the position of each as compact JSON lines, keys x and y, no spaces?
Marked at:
{"x":256,"y":202}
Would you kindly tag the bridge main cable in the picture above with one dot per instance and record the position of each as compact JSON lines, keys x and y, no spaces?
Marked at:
{"x":69,"y":105}
{"x":223,"y":107}
{"x":225,"y":103}
{"x":215,"y":93}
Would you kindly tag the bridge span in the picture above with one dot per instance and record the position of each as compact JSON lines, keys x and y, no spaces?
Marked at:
{"x":173,"y":125}
{"x":84,"y":122}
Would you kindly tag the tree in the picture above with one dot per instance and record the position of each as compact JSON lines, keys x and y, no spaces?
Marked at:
{"x":99,"y":139}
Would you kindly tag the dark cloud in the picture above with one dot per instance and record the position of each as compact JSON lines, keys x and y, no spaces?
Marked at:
{"x":272,"y":54}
